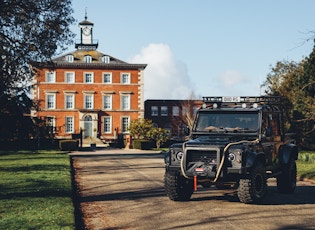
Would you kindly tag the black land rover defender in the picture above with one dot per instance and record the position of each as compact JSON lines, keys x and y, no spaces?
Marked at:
{"x":234,"y":141}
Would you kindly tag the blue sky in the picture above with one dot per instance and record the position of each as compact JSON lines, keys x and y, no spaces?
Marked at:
{"x":207,"y":47}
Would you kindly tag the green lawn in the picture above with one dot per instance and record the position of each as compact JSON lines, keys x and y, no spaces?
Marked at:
{"x":305,"y":170}
{"x":35,"y":190}
{"x":306,"y":165}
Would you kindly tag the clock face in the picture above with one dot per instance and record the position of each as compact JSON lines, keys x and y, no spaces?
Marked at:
{"x":86,"y":31}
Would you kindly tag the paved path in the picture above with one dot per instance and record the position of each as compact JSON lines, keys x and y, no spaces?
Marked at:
{"x":123,"y":189}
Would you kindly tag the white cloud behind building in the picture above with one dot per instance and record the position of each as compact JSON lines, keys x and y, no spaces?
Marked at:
{"x":165,"y":77}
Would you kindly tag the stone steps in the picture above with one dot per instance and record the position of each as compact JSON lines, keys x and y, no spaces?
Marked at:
{"x":86,"y":142}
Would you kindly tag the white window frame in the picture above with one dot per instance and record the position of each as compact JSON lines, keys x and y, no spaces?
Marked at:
{"x":125,"y":101}
{"x":154,"y":110}
{"x":69,"y":124}
{"x":124,"y":129}
{"x":109,"y":126}
{"x":110,"y":78}
{"x":50,"y":77}
{"x":49,"y":104}
{"x":70,"y":58}
{"x":87,"y":59}
{"x":175,"y":111}
{"x":70,"y":79}
{"x":125,"y":78}
{"x":164,"y":111}
{"x":66,"y":101}
{"x":106,"y":59}
{"x":86,"y":74}
{"x":85,"y":101}
{"x":110,"y":97}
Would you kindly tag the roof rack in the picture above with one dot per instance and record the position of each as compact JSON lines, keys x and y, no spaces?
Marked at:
{"x":271,"y":100}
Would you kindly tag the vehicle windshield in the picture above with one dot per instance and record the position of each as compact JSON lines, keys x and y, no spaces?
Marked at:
{"x":207,"y":121}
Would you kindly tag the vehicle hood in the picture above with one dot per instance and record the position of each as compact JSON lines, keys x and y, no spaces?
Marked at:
{"x":206,"y":141}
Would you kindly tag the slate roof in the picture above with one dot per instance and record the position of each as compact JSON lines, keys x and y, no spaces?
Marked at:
{"x":97,"y":62}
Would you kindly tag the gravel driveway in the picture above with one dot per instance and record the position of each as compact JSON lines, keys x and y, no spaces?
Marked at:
{"x":123,"y":189}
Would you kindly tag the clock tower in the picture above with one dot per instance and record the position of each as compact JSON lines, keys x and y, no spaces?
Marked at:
{"x":86,"y":34}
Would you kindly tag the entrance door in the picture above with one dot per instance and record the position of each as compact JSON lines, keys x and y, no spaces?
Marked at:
{"x":88,"y":126}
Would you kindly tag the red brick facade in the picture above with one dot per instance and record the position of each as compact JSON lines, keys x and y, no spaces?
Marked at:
{"x":89,"y":90}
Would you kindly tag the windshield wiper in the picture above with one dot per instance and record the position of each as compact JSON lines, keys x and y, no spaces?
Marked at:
{"x":214,"y":129}
{"x":211,"y":128}
{"x":239,"y":129}
{"x":226,"y":130}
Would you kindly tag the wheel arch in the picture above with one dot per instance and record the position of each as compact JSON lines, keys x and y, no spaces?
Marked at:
{"x":287,"y":152}
{"x":167,"y":157}
{"x":253,"y":157}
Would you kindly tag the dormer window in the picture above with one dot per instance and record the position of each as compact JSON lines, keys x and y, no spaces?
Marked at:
{"x":87,"y":59}
{"x":105,"y":59}
{"x":69,"y":58}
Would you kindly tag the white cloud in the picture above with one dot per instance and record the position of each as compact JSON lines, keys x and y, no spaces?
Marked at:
{"x":164,"y":76}
{"x":234,"y":83}
{"x":231,"y":78}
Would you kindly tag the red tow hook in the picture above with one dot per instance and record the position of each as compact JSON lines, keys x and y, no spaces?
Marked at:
{"x":195,"y":183}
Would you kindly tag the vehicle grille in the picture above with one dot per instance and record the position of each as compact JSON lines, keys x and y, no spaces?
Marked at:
{"x":206,"y":156}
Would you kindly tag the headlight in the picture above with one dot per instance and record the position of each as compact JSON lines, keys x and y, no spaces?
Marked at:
{"x":235,"y":155}
{"x":179,"y":155}
{"x":231,"y":157}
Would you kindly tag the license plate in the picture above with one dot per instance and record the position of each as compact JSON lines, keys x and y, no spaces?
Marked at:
{"x":199,"y":170}
{"x":231,"y":99}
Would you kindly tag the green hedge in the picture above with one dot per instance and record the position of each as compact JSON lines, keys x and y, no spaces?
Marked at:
{"x":69,"y":145}
{"x":143,"y":144}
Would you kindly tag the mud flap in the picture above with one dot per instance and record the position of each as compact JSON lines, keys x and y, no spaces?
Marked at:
{"x":195,"y":183}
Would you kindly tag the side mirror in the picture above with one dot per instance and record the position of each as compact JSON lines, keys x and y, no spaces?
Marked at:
{"x":186,"y":131}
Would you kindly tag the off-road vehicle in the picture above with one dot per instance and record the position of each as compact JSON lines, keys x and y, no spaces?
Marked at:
{"x":235,"y":141}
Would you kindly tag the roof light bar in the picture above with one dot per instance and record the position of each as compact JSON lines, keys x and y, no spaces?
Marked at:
{"x":244,"y":99}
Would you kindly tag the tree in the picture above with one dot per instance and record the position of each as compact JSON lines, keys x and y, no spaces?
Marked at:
{"x":296,"y":83}
{"x":159,"y":135}
{"x":31,"y":32}
{"x":281,"y":82}
{"x":140,"y":128}
{"x":189,"y":107}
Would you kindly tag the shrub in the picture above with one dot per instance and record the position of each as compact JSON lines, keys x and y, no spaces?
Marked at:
{"x":159,"y":135}
{"x":139,"y":128}
{"x":69,"y":145}
{"x":307,"y":157}
{"x":142,"y":144}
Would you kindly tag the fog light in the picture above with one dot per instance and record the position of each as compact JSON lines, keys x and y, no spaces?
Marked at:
{"x":179,"y":156}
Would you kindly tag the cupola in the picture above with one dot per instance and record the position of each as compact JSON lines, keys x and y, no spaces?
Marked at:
{"x":86,"y":36}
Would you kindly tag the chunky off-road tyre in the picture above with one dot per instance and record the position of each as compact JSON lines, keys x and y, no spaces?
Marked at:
{"x":286,"y":181}
{"x":253,"y":188}
{"x":177,"y":187}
